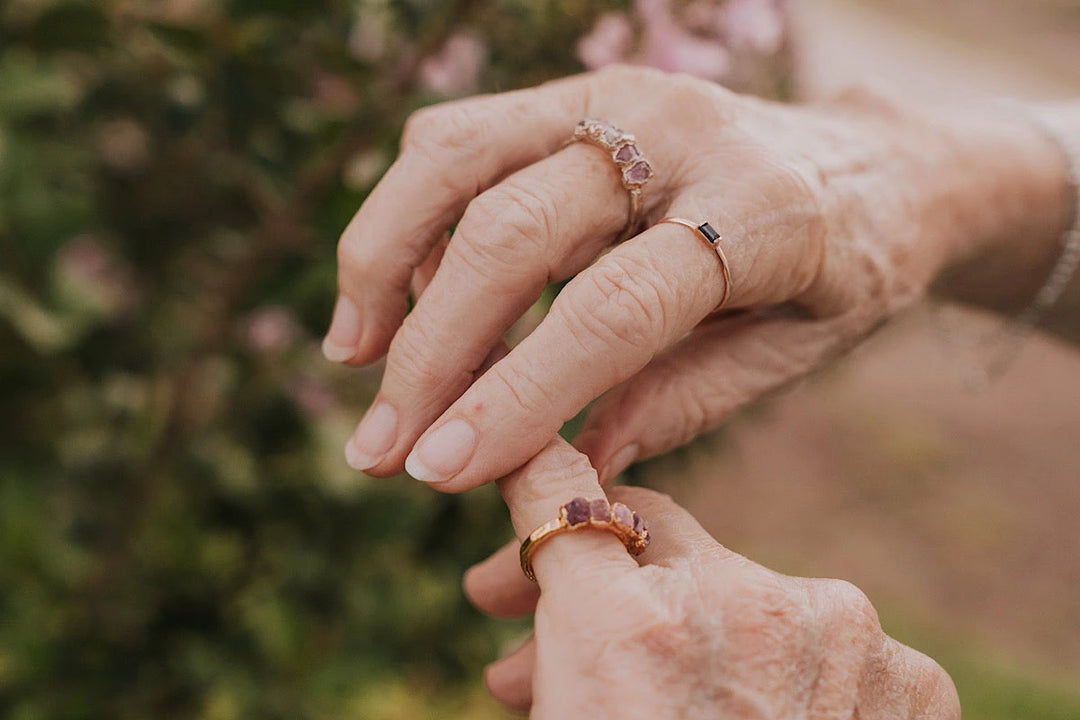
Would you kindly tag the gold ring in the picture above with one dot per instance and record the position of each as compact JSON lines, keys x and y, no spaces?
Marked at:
{"x":634,"y":169}
{"x":581,"y":513}
{"x":712,"y":238}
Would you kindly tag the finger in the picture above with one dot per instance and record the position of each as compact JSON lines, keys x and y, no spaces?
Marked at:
{"x":605,"y":325}
{"x":450,"y":152}
{"x":423,"y":274}
{"x":698,"y":383}
{"x":509,"y":680}
{"x":675,"y":535}
{"x":542,"y":224}
{"x":498,"y":587}
{"x":575,"y":560}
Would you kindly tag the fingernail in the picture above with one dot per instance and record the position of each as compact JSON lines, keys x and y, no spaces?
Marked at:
{"x":442,"y":454}
{"x":344,"y":333}
{"x":619,"y":462}
{"x":373,"y":438}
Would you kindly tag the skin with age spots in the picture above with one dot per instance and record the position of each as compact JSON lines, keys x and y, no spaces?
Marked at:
{"x":697,"y":631}
{"x":834,"y":217}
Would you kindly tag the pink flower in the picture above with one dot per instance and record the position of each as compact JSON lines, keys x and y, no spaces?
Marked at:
{"x":335,"y":95}
{"x":669,"y":46}
{"x":367,"y":40}
{"x":123,"y":144}
{"x":95,"y":279}
{"x":455,"y":70}
{"x":757,"y":25}
{"x":271,"y":330}
{"x":312,"y":395}
{"x":608,"y":42}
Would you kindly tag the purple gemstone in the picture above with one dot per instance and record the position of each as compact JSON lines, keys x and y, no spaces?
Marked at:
{"x":577,"y":511}
{"x":639,"y":524}
{"x":639,"y":172}
{"x":600,"y":510}
{"x":622,"y":514}
{"x":627,"y":153}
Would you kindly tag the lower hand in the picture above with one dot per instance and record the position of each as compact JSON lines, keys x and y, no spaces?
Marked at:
{"x":696,"y":631}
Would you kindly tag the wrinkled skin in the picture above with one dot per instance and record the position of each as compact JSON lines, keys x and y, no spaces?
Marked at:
{"x":696,"y":631}
{"x":834,"y":217}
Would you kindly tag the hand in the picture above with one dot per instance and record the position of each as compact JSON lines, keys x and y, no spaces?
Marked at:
{"x":695,"y":632}
{"x":834,"y":217}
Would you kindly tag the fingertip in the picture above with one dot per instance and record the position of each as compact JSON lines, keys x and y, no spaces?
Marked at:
{"x":497,"y":586}
{"x":509,"y":680}
{"x":344,"y":333}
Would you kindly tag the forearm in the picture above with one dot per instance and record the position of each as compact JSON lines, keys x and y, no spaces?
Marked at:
{"x":1011,"y":201}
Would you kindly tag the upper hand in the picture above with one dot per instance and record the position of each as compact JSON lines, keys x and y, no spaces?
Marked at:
{"x":697,"y":631}
{"x":822,"y":240}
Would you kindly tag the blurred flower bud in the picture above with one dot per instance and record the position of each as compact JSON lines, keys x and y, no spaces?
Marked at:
{"x":364,"y":168}
{"x":671,"y":47}
{"x":608,"y":42}
{"x":312,"y":395}
{"x":367,"y":39}
{"x":454,"y":70}
{"x":93,"y":281}
{"x":756,"y":25}
{"x":271,"y":330}
{"x":335,"y":96}
{"x":123,"y":145}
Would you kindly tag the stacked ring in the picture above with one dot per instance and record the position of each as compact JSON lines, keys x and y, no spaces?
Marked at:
{"x":634,"y":169}
{"x":582,"y":513}
{"x":712,"y":238}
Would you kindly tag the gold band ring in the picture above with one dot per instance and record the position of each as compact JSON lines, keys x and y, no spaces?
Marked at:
{"x":581,"y":513}
{"x":634,"y":169}
{"x":712,"y":238}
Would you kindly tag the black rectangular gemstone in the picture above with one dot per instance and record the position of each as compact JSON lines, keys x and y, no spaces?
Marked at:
{"x":710,"y":234}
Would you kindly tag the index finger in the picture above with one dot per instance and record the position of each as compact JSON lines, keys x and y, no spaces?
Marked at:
{"x":450,"y":153}
{"x":534,"y":495}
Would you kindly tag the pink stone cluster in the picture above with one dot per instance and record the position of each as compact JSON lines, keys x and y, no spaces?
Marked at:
{"x":622,"y":520}
{"x":635,"y":169}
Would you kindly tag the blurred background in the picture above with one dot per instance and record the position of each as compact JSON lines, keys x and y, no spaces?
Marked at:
{"x":179,"y":534}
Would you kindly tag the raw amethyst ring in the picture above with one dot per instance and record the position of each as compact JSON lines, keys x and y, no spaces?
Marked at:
{"x":581,"y":513}
{"x":634,"y":169}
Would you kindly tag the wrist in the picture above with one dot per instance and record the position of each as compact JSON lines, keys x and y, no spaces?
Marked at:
{"x":1006,"y":203}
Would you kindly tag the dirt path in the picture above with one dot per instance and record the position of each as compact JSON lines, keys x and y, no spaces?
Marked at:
{"x":958,"y":511}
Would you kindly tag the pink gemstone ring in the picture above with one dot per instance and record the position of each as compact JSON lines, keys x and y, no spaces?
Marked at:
{"x":581,"y":513}
{"x":634,"y":169}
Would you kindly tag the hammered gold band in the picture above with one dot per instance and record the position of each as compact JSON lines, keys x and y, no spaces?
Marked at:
{"x":706,"y":232}
{"x":634,"y":169}
{"x":581,"y":513}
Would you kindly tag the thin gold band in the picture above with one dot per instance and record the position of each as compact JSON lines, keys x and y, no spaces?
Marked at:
{"x":712,"y":238}
{"x":579,"y":514}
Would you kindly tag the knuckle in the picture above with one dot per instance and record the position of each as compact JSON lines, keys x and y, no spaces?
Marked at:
{"x":531,"y":397}
{"x":446,"y":129}
{"x":505,"y":226}
{"x":935,"y":695}
{"x":417,"y":364}
{"x":620,"y":305}
{"x":851,"y":608}
{"x":552,"y":470}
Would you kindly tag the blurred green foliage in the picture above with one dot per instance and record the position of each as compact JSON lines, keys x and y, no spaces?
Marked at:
{"x":179,"y":536}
